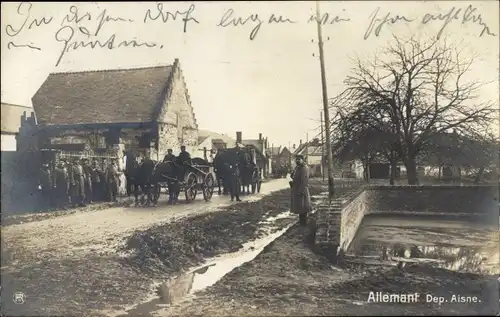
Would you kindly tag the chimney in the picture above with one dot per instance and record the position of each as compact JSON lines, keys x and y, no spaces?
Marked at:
{"x":260,"y":136}
{"x":238,"y":137}
{"x":300,"y":143}
{"x":293,"y":146}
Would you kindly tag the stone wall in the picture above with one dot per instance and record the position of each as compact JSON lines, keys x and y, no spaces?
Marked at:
{"x":434,"y":199}
{"x":337,"y":223}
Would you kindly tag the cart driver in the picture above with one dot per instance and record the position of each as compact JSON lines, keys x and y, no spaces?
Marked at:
{"x":183,"y":159}
{"x":170,"y":157}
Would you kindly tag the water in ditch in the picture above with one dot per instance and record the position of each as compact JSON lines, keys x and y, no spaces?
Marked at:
{"x":462,"y":246}
{"x":183,"y":287}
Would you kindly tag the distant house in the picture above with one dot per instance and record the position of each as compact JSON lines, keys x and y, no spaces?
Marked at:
{"x":315,"y":156}
{"x":148,"y":109}
{"x":218,"y":140}
{"x":13,"y":117}
{"x":279,"y":156}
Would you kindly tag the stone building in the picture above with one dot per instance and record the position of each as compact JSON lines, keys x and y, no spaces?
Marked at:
{"x":14,"y":118}
{"x":145,"y":109}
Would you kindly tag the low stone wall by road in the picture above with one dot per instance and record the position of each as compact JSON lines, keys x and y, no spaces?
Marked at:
{"x":337,"y":223}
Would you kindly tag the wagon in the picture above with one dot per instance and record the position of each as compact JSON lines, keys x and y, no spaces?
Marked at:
{"x":199,"y":176}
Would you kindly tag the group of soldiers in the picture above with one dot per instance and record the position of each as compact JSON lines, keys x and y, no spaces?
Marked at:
{"x":77,"y":182}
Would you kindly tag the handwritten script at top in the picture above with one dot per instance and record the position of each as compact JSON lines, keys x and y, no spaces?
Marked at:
{"x":80,"y":29}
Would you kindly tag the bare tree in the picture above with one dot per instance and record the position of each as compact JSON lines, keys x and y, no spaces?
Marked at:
{"x":421,"y":90}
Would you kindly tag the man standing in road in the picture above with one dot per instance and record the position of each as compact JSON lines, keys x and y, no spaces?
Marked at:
{"x":46,"y":182}
{"x":87,"y":172}
{"x":113,"y":180}
{"x":301,"y":200}
{"x":61,"y":184}
{"x":77,"y":181}
{"x":234,"y":182}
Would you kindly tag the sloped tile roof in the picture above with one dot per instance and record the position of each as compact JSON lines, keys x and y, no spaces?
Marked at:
{"x":11,"y":116}
{"x":230,"y":142}
{"x":107,"y":96}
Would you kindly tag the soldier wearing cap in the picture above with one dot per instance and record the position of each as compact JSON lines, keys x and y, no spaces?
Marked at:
{"x":77,"y":183}
{"x":234,"y":182}
{"x":183,"y":158}
{"x":301,"y":200}
{"x":169,"y":157}
{"x":46,"y":183}
{"x":61,"y":184}
{"x":113,"y":180}
{"x":87,"y":172}
{"x":97,"y":179}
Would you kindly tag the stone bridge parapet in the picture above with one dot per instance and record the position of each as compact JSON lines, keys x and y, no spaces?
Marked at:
{"x":337,"y":222}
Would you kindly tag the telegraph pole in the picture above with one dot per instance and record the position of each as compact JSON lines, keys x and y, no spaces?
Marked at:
{"x":325,"y":105}
{"x":322,"y":147}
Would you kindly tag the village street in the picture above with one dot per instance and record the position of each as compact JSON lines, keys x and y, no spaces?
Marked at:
{"x":96,"y":261}
{"x":74,"y":235}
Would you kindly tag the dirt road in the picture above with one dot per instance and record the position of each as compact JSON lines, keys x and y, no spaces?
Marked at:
{"x":77,"y":234}
{"x":72,"y":264}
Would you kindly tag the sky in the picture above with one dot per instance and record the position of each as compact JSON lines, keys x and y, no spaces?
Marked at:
{"x":270,"y":84}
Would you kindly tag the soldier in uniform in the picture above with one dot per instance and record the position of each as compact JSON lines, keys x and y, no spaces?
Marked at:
{"x":169,"y":157}
{"x":97,"y":182}
{"x":87,"y":172}
{"x":46,"y":182}
{"x":113,"y":180}
{"x":77,"y":184}
{"x":183,"y":158}
{"x":301,"y":200}
{"x":61,"y":184}
{"x":234,"y":182}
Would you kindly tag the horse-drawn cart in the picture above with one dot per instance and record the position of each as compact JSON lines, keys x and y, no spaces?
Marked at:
{"x":190,"y":178}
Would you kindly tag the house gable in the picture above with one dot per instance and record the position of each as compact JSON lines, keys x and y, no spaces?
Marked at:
{"x":177,"y":109}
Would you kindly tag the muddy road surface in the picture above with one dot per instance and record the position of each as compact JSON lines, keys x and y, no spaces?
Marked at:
{"x":97,"y":263}
{"x":289,"y":278}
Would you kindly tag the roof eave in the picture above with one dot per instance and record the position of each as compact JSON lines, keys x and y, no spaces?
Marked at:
{"x":148,"y":124}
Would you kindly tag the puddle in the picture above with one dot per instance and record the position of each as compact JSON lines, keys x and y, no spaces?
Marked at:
{"x":453,"y":245}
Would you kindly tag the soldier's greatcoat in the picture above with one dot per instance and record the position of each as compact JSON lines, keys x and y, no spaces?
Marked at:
{"x":61,"y":183}
{"x":301,"y":200}
{"x":77,"y":181}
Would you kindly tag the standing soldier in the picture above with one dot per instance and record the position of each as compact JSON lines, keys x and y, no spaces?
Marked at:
{"x":234,"y":182}
{"x":301,"y":200}
{"x":77,"y":189}
{"x":46,"y":183}
{"x":61,"y":184}
{"x":113,"y":180}
{"x":87,"y":172}
{"x":97,"y":184}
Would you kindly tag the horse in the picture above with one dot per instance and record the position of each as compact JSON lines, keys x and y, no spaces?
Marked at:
{"x":227,"y":160}
{"x":223,"y":162}
{"x":168,"y":172}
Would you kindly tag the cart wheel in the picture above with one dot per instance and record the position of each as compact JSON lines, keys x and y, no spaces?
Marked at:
{"x":190,"y":189}
{"x":208,"y":186}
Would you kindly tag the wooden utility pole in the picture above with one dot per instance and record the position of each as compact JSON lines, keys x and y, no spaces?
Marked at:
{"x":322,"y":148}
{"x":307,"y":147}
{"x":325,"y":105}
